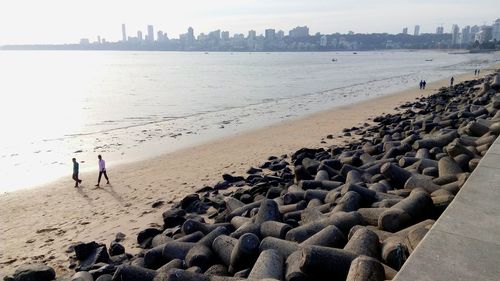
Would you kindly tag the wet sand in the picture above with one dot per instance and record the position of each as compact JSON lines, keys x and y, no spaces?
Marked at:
{"x":40,"y":224}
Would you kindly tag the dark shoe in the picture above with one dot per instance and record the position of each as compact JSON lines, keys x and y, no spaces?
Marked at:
{"x":96,"y":185}
{"x":79,"y":181}
{"x":108,"y":182}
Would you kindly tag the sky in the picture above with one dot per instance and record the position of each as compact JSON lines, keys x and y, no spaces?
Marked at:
{"x":67,"y":21}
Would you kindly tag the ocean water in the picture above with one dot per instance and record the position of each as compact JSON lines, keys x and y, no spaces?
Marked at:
{"x":130,"y":106}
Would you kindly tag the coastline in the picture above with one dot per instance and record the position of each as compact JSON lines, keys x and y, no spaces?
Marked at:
{"x":57,"y":215}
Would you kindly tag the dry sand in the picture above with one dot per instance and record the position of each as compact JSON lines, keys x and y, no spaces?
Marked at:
{"x":38,"y":225}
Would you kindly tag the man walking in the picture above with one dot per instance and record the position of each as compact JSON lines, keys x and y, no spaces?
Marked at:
{"x":102,"y":170}
{"x":76,"y":169}
{"x":451,"y":81}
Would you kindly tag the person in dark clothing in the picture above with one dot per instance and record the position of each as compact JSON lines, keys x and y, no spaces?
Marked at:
{"x":423,"y":84}
{"x":76,"y":170}
{"x":475,"y":72}
{"x":102,"y":171}
{"x":451,"y":81}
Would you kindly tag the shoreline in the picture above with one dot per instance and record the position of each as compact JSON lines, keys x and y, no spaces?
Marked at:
{"x":160,"y":135}
{"x":39,"y":224}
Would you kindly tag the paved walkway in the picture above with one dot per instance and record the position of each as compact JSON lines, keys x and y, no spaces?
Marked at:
{"x":464,"y":243}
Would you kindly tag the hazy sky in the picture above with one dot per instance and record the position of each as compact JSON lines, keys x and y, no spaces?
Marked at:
{"x":61,"y":21}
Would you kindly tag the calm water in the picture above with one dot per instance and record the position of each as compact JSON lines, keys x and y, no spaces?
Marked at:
{"x":56,"y":105}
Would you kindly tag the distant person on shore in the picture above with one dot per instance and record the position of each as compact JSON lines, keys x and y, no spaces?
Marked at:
{"x":475,"y":72}
{"x":478,"y":71}
{"x":102,"y":171}
{"x":76,"y":170}
{"x":451,"y":81}
{"x":423,"y":84}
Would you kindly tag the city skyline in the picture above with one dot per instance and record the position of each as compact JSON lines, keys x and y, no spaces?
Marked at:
{"x":56,"y":21}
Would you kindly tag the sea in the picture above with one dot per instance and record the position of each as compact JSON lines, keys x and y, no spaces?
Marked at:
{"x":130,"y":106}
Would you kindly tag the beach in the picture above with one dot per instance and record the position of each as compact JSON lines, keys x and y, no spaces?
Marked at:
{"x":40,"y":224}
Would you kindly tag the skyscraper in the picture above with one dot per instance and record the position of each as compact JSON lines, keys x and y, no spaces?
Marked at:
{"x":439,"y":30}
{"x":252,"y":34}
{"x":455,"y":33}
{"x":151,"y":35}
{"x":139,"y":35}
{"x":190,"y":34}
{"x":466,"y":35}
{"x":496,"y":30}
{"x":270,"y":34}
{"x":416,"y":31}
{"x":299,"y":31}
{"x":124,"y":33}
{"x":405,"y":30}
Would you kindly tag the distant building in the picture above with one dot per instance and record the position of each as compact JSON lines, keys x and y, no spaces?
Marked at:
{"x":270,"y":34}
{"x":299,"y":31}
{"x":466,"y":35}
{"x":159,"y":36}
{"x":439,"y":30}
{"x":214,"y":35}
{"x":190,"y":34}
{"x":252,"y":34}
{"x":416,"y":31}
{"x":84,"y":41}
{"x":224,"y":35}
{"x":405,"y":30}
{"x":496,"y":30}
{"x":473,"y":32}
{"x":151,"y":35}
{"x":323,"y":41}
{"x":124,"y":33}
{"x":455,"y":35}
{"x":280,"y":34}
{"x":485,"y":35}
{"x":139,"y":35}
{"x":98,"y":39}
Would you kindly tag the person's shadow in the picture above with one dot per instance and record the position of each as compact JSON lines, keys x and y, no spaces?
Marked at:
{"x":84,"y":194}
{"x":109,"y":189}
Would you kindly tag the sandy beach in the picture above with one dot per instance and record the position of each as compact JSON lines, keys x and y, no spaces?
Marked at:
{"x":39,"y":224}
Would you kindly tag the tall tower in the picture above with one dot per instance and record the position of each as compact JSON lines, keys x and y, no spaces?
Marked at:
{"x":151,"y":35}
{"x":124,"y":33}
{"x":455,"y":33}
{"x":405,"y":30}
{"x":416,"y":32}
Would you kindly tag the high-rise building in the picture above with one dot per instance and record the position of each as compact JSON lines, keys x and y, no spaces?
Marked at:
{"x":473,"y":32}
{"x":252,"y":34}
{"x":270,"y":34}
{"x":466,"y":35}
{"x":99,"y":39}
{"x":139,"y":35}
{"x":124,"y":33}
{"x":159,"y":36}
{"x":214,"y":35}
{"x":299,"y":31}
{"x":405,"y":30}
{"x":280,"y":34}
{"x":151,"y":35}
{"x":224,"y":35}
{"x":486,"y":34}
{"x":323,"y":41}
{"x":496,"y":30}
{"x":439,"y":30}
{"x":190,"y":34}
{"x":455,"y":35}
{"x":416,"y":31}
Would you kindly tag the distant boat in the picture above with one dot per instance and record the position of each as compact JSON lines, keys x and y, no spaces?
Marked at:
{"x":428,"y":60}
{"x":206,"y":53}
{"x":334,"y":59}
{"x":355,"y":53}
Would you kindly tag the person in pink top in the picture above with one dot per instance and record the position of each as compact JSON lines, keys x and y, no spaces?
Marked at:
{"x":102,"y":170}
